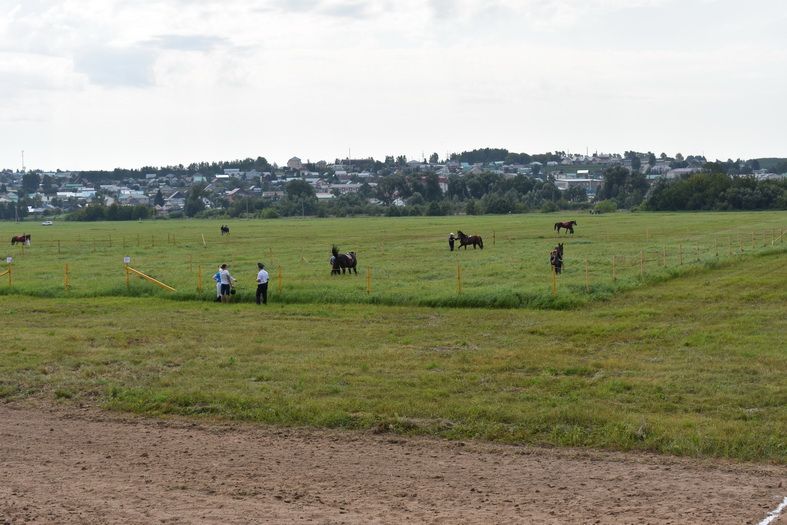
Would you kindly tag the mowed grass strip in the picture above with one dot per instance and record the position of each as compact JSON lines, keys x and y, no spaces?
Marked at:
{"x":408,"y":257}
{"x":693,"y":366}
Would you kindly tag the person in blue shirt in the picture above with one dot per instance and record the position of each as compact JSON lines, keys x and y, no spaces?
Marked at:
{"x":217,"y":278}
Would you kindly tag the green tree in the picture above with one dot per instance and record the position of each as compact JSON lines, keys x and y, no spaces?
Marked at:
{"x":302,"y":196}
{"x":471,"y":208}
{"x":626,"y":188}
{"x":386,"y":190}
{"x":47,"y":185}
{"x":432,"y":191}
{"x":434,"y":158}
{"x":576,"y":194}
{"x":194,"y":203}
{"x":30,"y":182}
{"x":415,"y":199}
{"x":158,"y":200}
{"x":434,"y":209}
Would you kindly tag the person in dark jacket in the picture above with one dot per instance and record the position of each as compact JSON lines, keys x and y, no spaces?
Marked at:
{"x":262,"y":284}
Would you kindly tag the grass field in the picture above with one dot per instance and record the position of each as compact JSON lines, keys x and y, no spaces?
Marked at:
{"x":407,"y":258}
{"x":690,"y":361}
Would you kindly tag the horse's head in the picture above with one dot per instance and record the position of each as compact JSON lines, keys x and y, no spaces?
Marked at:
{"x":335,"y":251}
{"x":574,"y":223}
{"x":461,"y":234}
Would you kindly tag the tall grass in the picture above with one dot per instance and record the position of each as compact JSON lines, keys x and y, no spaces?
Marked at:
{"x":691,"y":365}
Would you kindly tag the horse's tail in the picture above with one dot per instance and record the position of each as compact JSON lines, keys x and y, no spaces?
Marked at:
{"x":335,"y":251}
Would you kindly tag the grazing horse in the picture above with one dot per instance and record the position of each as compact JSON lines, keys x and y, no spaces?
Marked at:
{"x":465,"y":240}
{"x":225,"y":230}
{"x":568,"y":225}
{"x":556,"y":258}
{"x":24,"y":239}
{"x":343,"y":261}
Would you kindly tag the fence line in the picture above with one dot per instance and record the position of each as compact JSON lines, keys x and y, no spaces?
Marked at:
{"x":663,"y":256}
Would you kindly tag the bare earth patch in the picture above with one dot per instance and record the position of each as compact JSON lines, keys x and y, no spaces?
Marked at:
{"x":63,"y":465}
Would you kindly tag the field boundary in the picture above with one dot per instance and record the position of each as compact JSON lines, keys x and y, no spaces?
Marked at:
{"x":551,"y":298}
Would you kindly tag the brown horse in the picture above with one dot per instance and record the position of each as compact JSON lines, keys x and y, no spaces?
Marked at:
{"x":568,"y":225}
{"x":465,"y":240}
{"x":24,"y":239}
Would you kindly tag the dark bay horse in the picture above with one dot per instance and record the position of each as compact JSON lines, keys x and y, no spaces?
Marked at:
{"x":568,"y":225}
{"x":24,"y":239}
{"x":556,"y":258}
{"x":343,"y":261}
{"x":225,"y":230}
{"x":465,"y":240}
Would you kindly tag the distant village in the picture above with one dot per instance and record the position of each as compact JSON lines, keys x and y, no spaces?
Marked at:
{"x":165,"y":190}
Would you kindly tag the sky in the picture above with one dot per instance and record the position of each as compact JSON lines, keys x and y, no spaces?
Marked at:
{"x":99,"y":84}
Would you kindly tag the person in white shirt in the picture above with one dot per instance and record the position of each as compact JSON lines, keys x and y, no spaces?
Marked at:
{"x":262,"y":284}
{"x":226,"y":283}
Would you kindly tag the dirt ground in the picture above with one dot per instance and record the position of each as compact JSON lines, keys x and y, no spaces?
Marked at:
{"x":86,"y":466}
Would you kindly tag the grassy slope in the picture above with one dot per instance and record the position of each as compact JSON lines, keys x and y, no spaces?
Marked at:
{"x":409,"y":257}
{"x":691,"y":366}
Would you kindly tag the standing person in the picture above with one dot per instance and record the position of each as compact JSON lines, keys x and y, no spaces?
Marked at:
{"x":226,"y":283}
{"x":451,"y":239}
{"x":262,"y":284}
{"x":217,"y":278}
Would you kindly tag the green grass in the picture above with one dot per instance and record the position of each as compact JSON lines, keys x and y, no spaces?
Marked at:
{"x":691,"y":365}
{"x":408,"y":257}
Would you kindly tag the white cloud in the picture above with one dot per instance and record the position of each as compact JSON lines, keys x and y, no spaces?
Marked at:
{"x":217,"y":79}
{"x":116,"y":66}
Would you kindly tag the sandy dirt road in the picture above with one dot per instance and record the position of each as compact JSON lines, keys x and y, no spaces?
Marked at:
{"x":86,"y":466}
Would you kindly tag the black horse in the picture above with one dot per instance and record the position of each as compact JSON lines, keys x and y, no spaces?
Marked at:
{"x":465,"y":240}
{"x":24,"y":239}
{"x":343,"y":261}
{"x":225,"y":230}
{"x":568,"y":225}
{"x":556,"y":258}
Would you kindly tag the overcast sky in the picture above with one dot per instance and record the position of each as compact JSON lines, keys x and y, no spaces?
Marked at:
{"x":98,"y":84}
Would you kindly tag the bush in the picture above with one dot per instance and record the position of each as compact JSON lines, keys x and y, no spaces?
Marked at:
{"x":606,"y":206}
{"x":548,"y":207}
